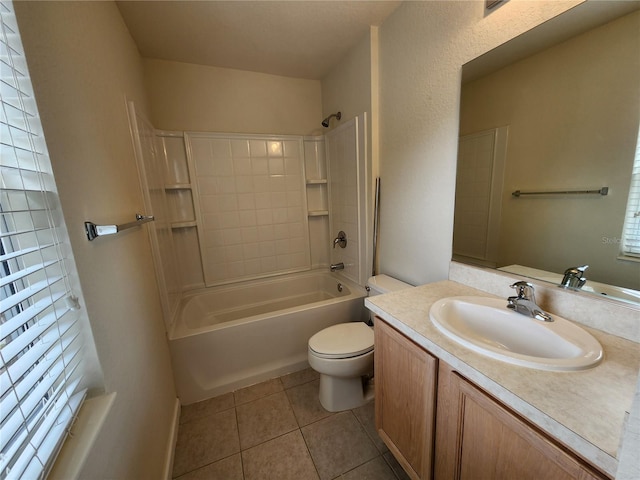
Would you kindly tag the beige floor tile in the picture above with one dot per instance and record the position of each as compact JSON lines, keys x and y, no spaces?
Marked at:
{"x":300,"y":377}
{"x":206,"y":407}
{"x":259,"y":390}
{"x":306,"y":404}
{"x":338,"y":444}
{"x":283,"y":458}
{"x":229,"y":468}
{"x":201,"y":442}
{"x":376,"y":469}
{"x":265,"y":419}
{"x":366,"y":415}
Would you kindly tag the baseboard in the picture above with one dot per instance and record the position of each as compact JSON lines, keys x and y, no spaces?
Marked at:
{"x":171,"y":445}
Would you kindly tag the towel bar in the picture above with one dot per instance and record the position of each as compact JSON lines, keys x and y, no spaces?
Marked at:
{"x":94,"y":230}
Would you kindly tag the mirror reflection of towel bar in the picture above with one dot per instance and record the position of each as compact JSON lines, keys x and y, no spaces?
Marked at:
{"x":601,"y":191}
{"x":94,"y":230}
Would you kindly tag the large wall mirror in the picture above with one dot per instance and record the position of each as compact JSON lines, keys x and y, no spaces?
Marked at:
{"x":562,"y":116}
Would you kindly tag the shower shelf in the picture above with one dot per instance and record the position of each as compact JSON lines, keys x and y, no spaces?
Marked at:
{"x":317,"y":181}
{"x":178,"y":186}
{"x":318,"y":213}
{"x":177,"y":225}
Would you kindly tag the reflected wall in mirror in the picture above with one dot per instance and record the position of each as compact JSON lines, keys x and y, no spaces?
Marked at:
{"x":564,"y":118}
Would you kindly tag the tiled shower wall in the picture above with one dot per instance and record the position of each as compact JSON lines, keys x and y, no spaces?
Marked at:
{"x":251,"y":205}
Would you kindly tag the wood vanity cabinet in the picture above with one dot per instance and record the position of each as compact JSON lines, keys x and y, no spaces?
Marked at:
{"x":478,"y":438}
{"x":405,"y":396}
{"x":470,"y":436}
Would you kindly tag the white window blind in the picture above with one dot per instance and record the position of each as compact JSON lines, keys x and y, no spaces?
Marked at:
{"x":41,"y":342}
{"x":631,"y":233}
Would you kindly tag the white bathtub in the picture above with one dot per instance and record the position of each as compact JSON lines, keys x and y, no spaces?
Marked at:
{"x":232,"y":336}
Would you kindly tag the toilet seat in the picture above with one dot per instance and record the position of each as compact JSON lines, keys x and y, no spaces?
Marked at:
{"x":344,"y":340}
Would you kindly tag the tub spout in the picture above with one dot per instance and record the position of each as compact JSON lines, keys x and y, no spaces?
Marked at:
{"x":337,"y":266}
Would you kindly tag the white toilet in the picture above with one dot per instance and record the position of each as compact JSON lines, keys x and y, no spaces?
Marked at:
{"x":343,"y":356}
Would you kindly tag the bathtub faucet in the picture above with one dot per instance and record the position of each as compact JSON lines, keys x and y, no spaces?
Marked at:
{"x":337,"y":266}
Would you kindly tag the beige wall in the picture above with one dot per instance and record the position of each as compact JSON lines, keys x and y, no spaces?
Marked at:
{"x":84,"y":65}
{"x":422,"y":48}
{"x":576,"y":128}
{"x":192,"y":97}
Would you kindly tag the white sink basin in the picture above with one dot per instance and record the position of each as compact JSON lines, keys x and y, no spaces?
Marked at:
{"x":487,"y":326}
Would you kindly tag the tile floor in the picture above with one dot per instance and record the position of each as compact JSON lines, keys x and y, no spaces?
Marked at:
{"x":277,"y":430}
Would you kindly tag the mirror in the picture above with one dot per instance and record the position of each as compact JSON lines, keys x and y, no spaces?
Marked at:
{"x":553,"y":110}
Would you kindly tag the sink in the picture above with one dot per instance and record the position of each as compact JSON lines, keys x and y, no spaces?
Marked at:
{"x":485,"y":325}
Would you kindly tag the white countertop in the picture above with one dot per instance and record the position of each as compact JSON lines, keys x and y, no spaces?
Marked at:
{"x":584,"y":410}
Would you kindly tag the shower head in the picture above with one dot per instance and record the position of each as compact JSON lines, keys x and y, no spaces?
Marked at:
{"x":325,"y":122}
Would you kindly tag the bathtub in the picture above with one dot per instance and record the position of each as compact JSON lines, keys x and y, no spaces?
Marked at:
{"x":232,"y":336}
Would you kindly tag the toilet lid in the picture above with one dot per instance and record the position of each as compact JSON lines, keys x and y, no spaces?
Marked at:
{"x":343,"y":340}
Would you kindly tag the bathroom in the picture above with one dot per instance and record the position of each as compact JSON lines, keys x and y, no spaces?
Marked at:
{"x":85,"y":63}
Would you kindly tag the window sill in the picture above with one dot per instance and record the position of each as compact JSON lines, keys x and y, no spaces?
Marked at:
{"x":76,"y":448}
{"x":628,"y":258}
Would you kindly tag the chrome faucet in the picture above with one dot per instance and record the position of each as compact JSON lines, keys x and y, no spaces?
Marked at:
{"x":337,"y":266}
{"x":574,"y":277}
{"x":525,"y":302}
{"x":341,"y":240}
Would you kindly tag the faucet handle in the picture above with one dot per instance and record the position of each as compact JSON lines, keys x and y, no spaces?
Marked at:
{"x":524,"y":290}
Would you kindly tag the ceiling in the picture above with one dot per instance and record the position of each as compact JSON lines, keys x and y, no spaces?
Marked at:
{"x":294,"y":38}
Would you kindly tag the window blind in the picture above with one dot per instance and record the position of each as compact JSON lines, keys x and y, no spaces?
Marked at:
{"x":631,"y":232}
{"x":41,"y":342}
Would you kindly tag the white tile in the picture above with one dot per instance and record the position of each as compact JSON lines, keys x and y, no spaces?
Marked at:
{"x":234,"y":269}
{"x":265,"y":232}
{"x":267,"y":249}
{"x":252,"y":266}
{"x":226,"y":203}
{"x":263,"y":200}
{"x":293,"y":182}
{"x":278,"y":199}
{"x":281,"y":231}
{"x":232,"y":236}
{"x":294,"y":199}
{"x":274,"y":149}
{"x":276,"y":184}
{"x":280,"y":215}
{"x":291,"y":148}
{"x":210,"y":221}
{"x":259,"y":165}
{"x":247,"y":218}
{"x":264,"y":217}
{"x":251,"y":251}
{"x":244,"y":184}
{"x":282,"y":247}
{"x":220,"y":148}
{"x":233,"y":253}
{"x":229,"y":220}
{"x":207,"y":185}
{"x":246,"y":201}
{"x":292,"y":166}
{"x":276,"y":166}
{"x":249,"y":234}
{"x":258,"y":148}
{"x":268,"y":264}
{"x":223,"y":166}
{"x":261,"y":183}
{"x":239,"y":148}
{"x":242,"y":166}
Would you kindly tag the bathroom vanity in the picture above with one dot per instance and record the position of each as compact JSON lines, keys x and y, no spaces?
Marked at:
{"x":447,"y":412}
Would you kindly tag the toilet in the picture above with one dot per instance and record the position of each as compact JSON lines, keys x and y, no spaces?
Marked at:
{"x":343,"y":356}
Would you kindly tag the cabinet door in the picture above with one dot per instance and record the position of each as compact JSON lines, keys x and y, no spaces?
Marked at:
{"x":478,"y":438}
{"x":405,"y":388}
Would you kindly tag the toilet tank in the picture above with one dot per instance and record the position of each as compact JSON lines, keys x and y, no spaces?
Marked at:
{"x":380,"y":284}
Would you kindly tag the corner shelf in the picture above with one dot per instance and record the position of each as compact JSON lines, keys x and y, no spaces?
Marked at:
{"x":178,"y":186}
{"x":317,"y":181}
{"x":318,"y":213}
{"x":177,"y":225}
